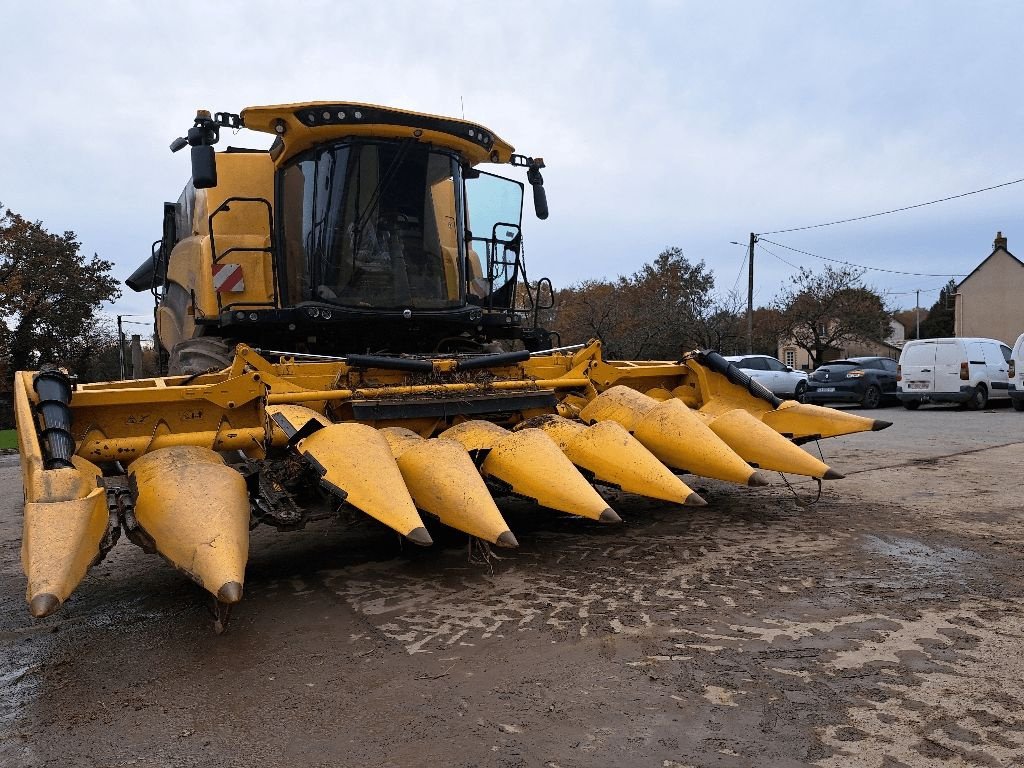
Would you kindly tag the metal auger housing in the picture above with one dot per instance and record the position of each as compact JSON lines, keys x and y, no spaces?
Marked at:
{"x":288,"y":442}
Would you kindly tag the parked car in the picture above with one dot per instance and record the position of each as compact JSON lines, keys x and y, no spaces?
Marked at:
{"x":963,"y":370}
{"x":866,"y":380}
{"x":1015,"y":375}
{"x":772,"y":373}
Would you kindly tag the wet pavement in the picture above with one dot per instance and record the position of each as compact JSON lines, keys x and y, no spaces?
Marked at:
{"x":881,"y":626}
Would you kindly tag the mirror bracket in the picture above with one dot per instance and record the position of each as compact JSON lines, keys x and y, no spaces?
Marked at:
{"x":533,"y":166}
{"x":204,"y":133}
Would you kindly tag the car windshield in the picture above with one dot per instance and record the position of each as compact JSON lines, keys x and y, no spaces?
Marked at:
{"x":373,"y":224}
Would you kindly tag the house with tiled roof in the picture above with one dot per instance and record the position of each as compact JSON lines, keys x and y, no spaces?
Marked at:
{"x":990,"y":300}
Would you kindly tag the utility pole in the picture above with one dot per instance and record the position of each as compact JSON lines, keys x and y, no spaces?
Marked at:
{"x":120,"y":348}
{"x":917,"y":313}
{"x":750,"y":295}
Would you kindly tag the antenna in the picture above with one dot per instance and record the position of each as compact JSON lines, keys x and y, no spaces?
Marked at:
{"x":463,"y":105}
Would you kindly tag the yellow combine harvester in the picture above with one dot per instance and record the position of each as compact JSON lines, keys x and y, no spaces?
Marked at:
{"x":337,"y":313}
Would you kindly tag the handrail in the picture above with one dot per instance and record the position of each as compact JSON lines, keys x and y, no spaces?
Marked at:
{"x":216,"y":258}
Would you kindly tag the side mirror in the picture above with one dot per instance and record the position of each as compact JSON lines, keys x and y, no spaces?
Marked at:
{"x":204,"y":167}
{"x":201,"y":137}
{"x":540,"y":197}
{"x":789,"y":369}
{"x":540,"y":201}
{"x":545,"y":294}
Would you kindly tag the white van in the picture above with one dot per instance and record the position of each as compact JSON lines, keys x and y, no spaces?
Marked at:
{"x":965,"y":370}
{"x":1016,"y":374}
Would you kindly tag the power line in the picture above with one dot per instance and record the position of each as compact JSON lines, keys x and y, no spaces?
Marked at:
{"x":771,"y":253}
{"x":736,"y":282}
{"x":862,"y":266}
{"x":894,"y":210}
{"x":916,"y":290}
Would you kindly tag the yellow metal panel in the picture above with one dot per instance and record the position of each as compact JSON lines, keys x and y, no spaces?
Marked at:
{"x":529,"y":463}
{"x":64,"y":524}
{"x":196,"y":511}
{"x":299,"y":136}
{"x":355,"y":462}
{"x":476,"y":435}
{"x":804,"y":420}
{"x":123,"y":420}
{"x":616,"y":458}
{"x":444,"y":482}
{"x":239,"y":174}
{"x":673,"y":433}
{"x":762,"y":446}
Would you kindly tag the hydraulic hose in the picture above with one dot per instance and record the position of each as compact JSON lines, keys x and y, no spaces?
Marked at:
{"x":390,"y":363}
{"x":719,"y":364}
{"x":486,"y":361}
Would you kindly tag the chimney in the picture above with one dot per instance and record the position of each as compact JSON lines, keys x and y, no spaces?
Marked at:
{"x":999,"y":242}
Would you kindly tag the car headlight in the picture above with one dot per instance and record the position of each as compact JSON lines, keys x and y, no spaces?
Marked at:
{"x":855,"y":374}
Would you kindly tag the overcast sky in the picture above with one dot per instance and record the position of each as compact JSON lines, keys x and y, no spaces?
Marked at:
{"x":662,"y":123}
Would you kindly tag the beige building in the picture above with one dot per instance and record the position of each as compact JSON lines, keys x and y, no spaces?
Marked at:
{"x":800,"y":359}
{"x":990,"y":300}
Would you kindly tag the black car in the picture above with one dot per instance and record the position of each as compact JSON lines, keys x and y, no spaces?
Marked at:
{"x":864,"y":380}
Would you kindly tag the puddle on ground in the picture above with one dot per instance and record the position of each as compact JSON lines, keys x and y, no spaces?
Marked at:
{"x":923,"y":560}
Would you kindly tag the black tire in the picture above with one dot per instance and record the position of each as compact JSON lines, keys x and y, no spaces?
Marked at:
{"x":200,"y":355}
{"x":911,"y":405}
{"x":1018,"y":404}
{"x":872,"y":397}
{"x":798,"y":392}
{"x":979,"y":398}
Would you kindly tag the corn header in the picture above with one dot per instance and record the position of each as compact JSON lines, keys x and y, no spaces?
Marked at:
{"x":347,"y":326}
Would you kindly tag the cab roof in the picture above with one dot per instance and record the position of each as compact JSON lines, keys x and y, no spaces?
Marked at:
{"x":301,"y":126}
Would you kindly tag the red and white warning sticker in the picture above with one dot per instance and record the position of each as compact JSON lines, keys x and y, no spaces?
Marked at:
{"x":227,"y":278}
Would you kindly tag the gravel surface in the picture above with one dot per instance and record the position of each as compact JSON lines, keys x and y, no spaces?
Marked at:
{"x":881,"y":626}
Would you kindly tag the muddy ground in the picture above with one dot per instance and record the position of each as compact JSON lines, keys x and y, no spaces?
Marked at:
{"x":881,"y":626}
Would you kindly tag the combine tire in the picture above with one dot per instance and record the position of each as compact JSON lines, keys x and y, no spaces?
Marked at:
{"x":201,"y":355}
{"x":979,"y":398}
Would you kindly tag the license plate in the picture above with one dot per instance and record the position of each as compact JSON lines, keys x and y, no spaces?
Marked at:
{"x":825,"y":389}
{"x":917,"y":385}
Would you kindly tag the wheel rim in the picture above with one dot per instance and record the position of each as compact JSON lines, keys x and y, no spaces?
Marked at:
{"x":872,"y":397}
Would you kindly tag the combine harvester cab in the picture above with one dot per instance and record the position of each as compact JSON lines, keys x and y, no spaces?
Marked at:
{"x":265,"y":289}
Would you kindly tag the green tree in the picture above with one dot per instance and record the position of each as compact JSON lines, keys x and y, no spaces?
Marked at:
{"x":939,"y":322}
{"x":822,"y":311}
{"x":49,"y":297}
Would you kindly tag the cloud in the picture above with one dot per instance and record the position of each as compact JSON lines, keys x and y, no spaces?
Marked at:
{"x":662,"y":123}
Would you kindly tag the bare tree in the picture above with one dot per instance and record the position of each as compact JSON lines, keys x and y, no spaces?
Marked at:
{"x":821,"y":311}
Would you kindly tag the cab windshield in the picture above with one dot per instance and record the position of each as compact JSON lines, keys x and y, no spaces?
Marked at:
{"x":373,"y":224}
